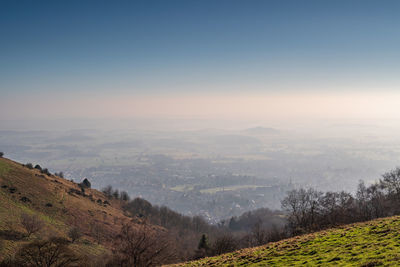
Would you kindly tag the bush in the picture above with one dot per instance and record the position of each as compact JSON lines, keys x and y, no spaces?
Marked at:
{"x":59,"y":174}
{"x":139,"y":207}
{"x":37,"y":166}
{"x":116,"y":194}
{"x":29,"y":166}
{"x":224,"y":244}
{"x":140,"y":245}
{"x":45,"y":171}
{"x":85,"y":183}
{"x":31,"y":223}
{"x":107,"y":191}
{"x":98,"y":232}
{"x":1,"y":154}
{"x":53,"y":252}
{"x":74,"y":234}
{"x":124,"y":196}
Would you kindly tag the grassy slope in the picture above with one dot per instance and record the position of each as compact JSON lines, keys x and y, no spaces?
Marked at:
{"x":374,"y":243}
{"x":67,"y":210}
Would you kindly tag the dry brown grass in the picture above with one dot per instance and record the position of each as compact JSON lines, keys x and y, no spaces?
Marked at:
{"x":23,"y":190}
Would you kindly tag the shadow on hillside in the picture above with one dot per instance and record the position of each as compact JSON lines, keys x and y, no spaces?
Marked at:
{"x":11,"y":235}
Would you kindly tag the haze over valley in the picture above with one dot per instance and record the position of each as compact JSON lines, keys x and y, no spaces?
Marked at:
{"x":213,"y":172}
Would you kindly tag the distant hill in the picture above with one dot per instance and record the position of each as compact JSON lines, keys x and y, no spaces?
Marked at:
{"x":261,"y":131}
{"x":373,"y":243}
{"x":61,"y":205}
{"x":235,"y":140}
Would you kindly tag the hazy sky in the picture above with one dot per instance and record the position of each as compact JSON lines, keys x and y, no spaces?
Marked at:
{"x":288,"y":59}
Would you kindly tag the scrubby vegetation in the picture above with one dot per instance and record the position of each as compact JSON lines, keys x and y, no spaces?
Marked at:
{"x":304,"y":211}
{"x":50,"y":213}
{"x":52,"y":252}
{"x":143,"y":246}
{"x":45,"y":171}
{"x":374,"y":243}
{"x":29,"y":166}
{"x":114,"y":193}
{"x":59,"y":174}
{"x":74,"y":234}
{"x":310,"y":210}
{"x":31,"y":223}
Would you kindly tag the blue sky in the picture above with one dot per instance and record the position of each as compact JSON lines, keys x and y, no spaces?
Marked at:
{"x":158,"y":48}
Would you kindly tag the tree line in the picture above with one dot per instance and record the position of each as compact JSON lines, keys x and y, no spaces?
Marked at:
{"x":304,"y":210}
{"x":311,"y":210}
{"x":158,"y":235}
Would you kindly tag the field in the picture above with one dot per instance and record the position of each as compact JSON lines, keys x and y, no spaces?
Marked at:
{"x":374,"y":243}
{"x":228,"y":188}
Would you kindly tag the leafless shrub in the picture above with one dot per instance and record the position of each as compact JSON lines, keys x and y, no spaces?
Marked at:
{"x":31,"y":223}
{"x":224,"y":244}
{"x":141,"y":245}
{"x":48,"y":253}
{"x":98,"y":232}
{"x":74,"y":234}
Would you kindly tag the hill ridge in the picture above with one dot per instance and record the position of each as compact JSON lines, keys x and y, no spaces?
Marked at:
{"x":60,"y":204}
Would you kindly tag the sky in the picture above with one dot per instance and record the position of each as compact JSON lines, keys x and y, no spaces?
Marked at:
{"x":199,"y":59}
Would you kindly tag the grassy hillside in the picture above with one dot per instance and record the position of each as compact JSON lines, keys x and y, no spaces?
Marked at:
{"x":374,"y":243}
{"x":60,"y":205}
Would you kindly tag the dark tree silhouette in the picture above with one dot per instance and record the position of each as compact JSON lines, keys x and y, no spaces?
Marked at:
{"x":224,"y":244}
{"x":29,"y":166}
{"x":37,"y":166}
{"x":108,"y":191}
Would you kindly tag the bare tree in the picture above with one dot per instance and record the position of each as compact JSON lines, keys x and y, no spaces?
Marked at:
{"x":224,"y":244}
{"x":74,"y":233}
{"x":115,"y":194}
{"x":31,"y":223}
{"x":47,"y":253}
{"x":391,"y":182}
{"x":97,"y":230}
{"x":378,"y":201}
{"x":258,"y":234}
{"x":107,"y":191}
{"x":124,"y":196}
{"x":303,"y":207}
{"x":363,"y":200}
{"x":142,"y":245}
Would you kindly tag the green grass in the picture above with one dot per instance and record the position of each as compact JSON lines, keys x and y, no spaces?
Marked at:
{"x":4,"y":168}
{"x":374,"y":243}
